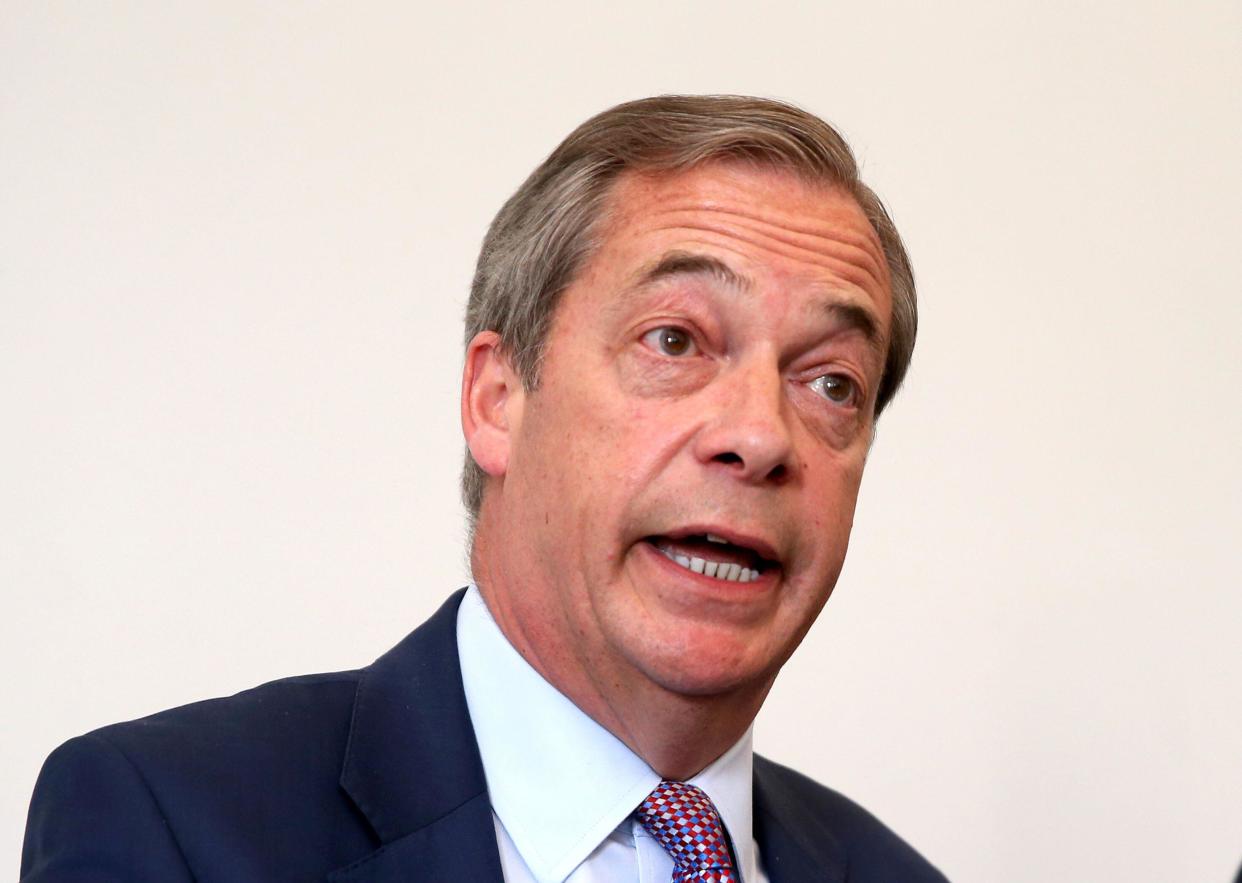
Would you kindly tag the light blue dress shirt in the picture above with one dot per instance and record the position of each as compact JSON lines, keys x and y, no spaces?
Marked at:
{"x":562,"y":787}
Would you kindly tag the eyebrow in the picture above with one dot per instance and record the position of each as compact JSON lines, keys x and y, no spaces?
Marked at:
{"x":859,"y":319}
{"x":685,"y":263}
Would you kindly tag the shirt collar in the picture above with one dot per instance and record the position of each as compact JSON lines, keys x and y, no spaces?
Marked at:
{"x":538,"y":748}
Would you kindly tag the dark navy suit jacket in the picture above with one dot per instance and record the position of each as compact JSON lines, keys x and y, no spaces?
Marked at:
{"x":370,"y":775}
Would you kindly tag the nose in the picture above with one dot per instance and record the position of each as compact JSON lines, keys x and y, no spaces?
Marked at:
{"x":748,"y":430}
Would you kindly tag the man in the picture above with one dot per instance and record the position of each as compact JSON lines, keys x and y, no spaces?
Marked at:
{"x":680,"y":334}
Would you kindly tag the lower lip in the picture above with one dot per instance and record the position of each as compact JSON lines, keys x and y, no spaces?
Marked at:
{"x":764,"y":581}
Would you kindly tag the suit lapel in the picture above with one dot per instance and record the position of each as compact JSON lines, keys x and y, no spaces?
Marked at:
{"x":413,"y":769}
{"x":459,"y":846}
{"x":412,"y":765}
{"x":793,"y":844}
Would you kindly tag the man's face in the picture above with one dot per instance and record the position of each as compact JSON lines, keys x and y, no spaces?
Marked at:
{"x":680,"y":487}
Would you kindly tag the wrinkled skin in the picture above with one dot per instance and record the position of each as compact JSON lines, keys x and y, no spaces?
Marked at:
{"x":732,"y":391}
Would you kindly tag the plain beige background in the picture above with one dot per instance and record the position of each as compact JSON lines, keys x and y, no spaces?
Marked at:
{"x":235,"y":245}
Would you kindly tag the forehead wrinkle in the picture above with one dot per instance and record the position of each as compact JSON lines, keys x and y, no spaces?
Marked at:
{"x":852,"y":249}
{"x":848,"y":258}
{"x":794,"y":230}
{"x":846,"y":269}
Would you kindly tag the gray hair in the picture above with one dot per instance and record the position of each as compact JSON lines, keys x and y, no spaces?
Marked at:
{"x":548,"y":229}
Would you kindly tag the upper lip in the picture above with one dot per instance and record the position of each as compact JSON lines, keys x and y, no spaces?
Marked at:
{"x":758,"y":545}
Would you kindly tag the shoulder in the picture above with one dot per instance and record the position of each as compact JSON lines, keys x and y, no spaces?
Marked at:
{"x":178,"y":789}
{"x":302,"y":715}
{"x":824,"y":819}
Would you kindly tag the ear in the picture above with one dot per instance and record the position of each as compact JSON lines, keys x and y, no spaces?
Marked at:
{"x":491,"y":403}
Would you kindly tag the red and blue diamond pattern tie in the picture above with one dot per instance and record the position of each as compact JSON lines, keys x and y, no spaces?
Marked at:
{"x":683,"y":820}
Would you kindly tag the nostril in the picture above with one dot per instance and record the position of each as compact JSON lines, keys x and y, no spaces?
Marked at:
{"x":777,"y":473}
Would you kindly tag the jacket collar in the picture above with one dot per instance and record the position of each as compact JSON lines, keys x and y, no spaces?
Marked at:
{"x":794,"y":844}
{"x":412,"y":765}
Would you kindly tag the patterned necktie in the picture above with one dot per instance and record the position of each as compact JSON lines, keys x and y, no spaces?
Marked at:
{"x":683,"y":820}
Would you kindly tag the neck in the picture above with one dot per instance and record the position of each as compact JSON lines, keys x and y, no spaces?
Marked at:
{"x":676,"y":734}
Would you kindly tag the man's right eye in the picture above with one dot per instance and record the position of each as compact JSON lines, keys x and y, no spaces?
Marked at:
{"x":670,"y":340}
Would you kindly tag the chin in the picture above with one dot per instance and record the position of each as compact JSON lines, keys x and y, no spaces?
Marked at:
{"x":704,"y":667}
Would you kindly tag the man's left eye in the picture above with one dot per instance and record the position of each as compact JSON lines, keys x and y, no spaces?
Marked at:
{"x":670,"y":340}
{"x":836,"y":388}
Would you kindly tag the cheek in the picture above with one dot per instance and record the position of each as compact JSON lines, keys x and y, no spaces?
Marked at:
{"x":590,"y":454}
{"x":836,"y":481}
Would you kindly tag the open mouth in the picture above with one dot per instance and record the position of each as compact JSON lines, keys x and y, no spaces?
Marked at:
{"x":713,"y":556}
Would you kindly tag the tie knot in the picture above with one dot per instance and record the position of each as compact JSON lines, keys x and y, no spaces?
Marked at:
{"x":685,"y":822}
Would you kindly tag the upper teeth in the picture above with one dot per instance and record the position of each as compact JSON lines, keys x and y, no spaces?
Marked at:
{"x":733,"y":573}
{"x":712,"y":538}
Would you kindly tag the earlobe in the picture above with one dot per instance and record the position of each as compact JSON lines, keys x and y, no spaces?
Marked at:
{"x":491,"y":399}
